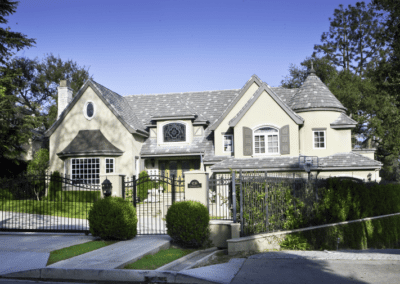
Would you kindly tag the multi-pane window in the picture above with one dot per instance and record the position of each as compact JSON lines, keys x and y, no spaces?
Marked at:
{"x":228,"y":143}
{"x":85,"y":171}
{"x":319,"y":139}
{"x":110,"y":165}
{"x":174,"y":132}
{"x":266,"y":140}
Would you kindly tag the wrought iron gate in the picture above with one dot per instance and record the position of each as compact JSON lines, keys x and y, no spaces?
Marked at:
{"x":152,"y":195}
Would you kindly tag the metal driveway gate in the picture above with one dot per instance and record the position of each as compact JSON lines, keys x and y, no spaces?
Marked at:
{"x":152,"y":195}
{"x":42,"y":203}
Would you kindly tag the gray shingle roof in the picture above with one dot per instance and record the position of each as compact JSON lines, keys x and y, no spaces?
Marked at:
{"x":343,"y":120}
{"x":208,"y":105}
{"x":339,"y":160}
{"x":347,"y":160}
{"x":284,"y":94}
{"x":314,"y":94}
{"x":90,"y":142}
{"x":150,"y":147}
{"x":120,"y":105}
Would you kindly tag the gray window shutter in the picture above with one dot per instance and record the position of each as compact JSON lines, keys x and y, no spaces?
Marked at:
{"x":284,"y":139}
{"x":247,"y":141}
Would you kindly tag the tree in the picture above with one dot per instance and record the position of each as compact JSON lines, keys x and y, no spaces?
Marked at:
{"x":10,"y":40}
{"x":37,"y":169}
{"x":37,"y":86}
{"x":14,"y":120}
{"x":323,"y":67}
{"x":353,"y":37}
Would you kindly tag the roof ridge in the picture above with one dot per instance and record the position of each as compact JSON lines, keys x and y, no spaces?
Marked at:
{"x":180,"y":93}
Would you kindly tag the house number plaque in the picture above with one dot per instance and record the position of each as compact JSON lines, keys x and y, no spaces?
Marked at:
{"x":194,"y":184}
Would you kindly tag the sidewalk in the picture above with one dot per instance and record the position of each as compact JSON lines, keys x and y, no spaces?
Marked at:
{"x":24,"y":255}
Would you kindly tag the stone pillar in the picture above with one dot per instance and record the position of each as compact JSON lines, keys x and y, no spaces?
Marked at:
{"x":64,"y":96}
{"x":196,"y":184}
{"x":116,"y":181}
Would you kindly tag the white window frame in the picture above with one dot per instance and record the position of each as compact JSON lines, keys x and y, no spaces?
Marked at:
{"x":105,"y":165}
{"x":266,"y":141}
{"x":313,"y":140}
{"x":85,"y":107}
{"x":73,"y":175}
{"x":223,"y":146}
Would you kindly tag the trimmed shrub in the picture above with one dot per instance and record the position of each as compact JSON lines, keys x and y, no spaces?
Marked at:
{"x":113,"y":218}
{"x":188,"y":223}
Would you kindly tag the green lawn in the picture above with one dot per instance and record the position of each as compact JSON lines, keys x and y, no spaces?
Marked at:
{"x":65,"y":253}
{"x":161,"y":258}
{"x":78,"y":210}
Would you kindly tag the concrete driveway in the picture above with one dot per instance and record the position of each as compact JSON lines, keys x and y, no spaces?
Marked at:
{"x":24,"y":251}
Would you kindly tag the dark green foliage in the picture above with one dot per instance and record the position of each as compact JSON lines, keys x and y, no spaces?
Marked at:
{"x":5,"y":194}
{"x":113,"y":218}
{"x":145,"y":183}
{"x":55,"y":185}
{"x":378,"y":233}
{"x":188,"y":223}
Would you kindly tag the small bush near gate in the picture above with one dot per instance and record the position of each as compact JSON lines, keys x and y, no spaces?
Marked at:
{"x":113,"y":218}
{"x":188,"y":223}
{"x":144,"y":184}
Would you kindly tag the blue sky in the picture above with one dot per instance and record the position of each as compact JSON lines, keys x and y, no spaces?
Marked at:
{"x":147,"y":47}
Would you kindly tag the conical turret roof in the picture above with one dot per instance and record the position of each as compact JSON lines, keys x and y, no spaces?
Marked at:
{"x":314,"y":95}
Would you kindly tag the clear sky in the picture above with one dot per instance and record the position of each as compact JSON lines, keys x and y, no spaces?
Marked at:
{"x":148,"y":47}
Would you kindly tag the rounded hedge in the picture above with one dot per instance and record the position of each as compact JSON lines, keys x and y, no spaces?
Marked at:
{"x":188,"y":223}
{"x":113,"y":218}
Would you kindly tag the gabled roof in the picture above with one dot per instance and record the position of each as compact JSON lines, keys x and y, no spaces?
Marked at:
{"x":253,"y":79}
{"x":90,"y":142}
{"x":264,"y":87}
{"x":314,"y":95}
{"x":113,"y":101}
{"x":343,"y":121}
{"x":285,"y":94}
{"x":207,"y":105}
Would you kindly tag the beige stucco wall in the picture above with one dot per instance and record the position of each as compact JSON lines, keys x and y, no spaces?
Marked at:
{"x":338,"y":140}
{"x":366,"y":153}
{"x":360,"y":174}
{"x":265,"y":111}
{"x":224,"y":125}
{"x":107,"y":123}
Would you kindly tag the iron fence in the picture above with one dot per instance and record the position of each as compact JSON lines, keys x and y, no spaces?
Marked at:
{"x":46,"y":203}
{"x":152,"y":195}
{"x":219,"y":194}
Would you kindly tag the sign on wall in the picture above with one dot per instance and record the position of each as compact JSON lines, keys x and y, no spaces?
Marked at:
{"x":194,"y":184}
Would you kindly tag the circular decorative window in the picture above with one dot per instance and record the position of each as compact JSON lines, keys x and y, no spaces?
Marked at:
{"x":89,"y":110}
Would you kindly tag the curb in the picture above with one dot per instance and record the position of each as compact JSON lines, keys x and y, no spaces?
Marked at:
{"x":183,"y":259}
{"x":112,"y":275}
{"x":204,"y":260}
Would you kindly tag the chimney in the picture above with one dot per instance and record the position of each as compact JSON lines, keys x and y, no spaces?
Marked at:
{"x":64,"y":96}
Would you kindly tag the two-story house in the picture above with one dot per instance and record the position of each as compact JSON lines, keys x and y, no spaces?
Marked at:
{"x":257,"y":127}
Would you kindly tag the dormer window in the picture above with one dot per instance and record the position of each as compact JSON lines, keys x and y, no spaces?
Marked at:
{"x":174,"y":132}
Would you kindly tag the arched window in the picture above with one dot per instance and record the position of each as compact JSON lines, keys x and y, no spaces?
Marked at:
{"x":174,"y":132}
{"x":266,"y":140}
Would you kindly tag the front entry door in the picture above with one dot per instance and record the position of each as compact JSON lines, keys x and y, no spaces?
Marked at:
{"x":173,"y":169}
